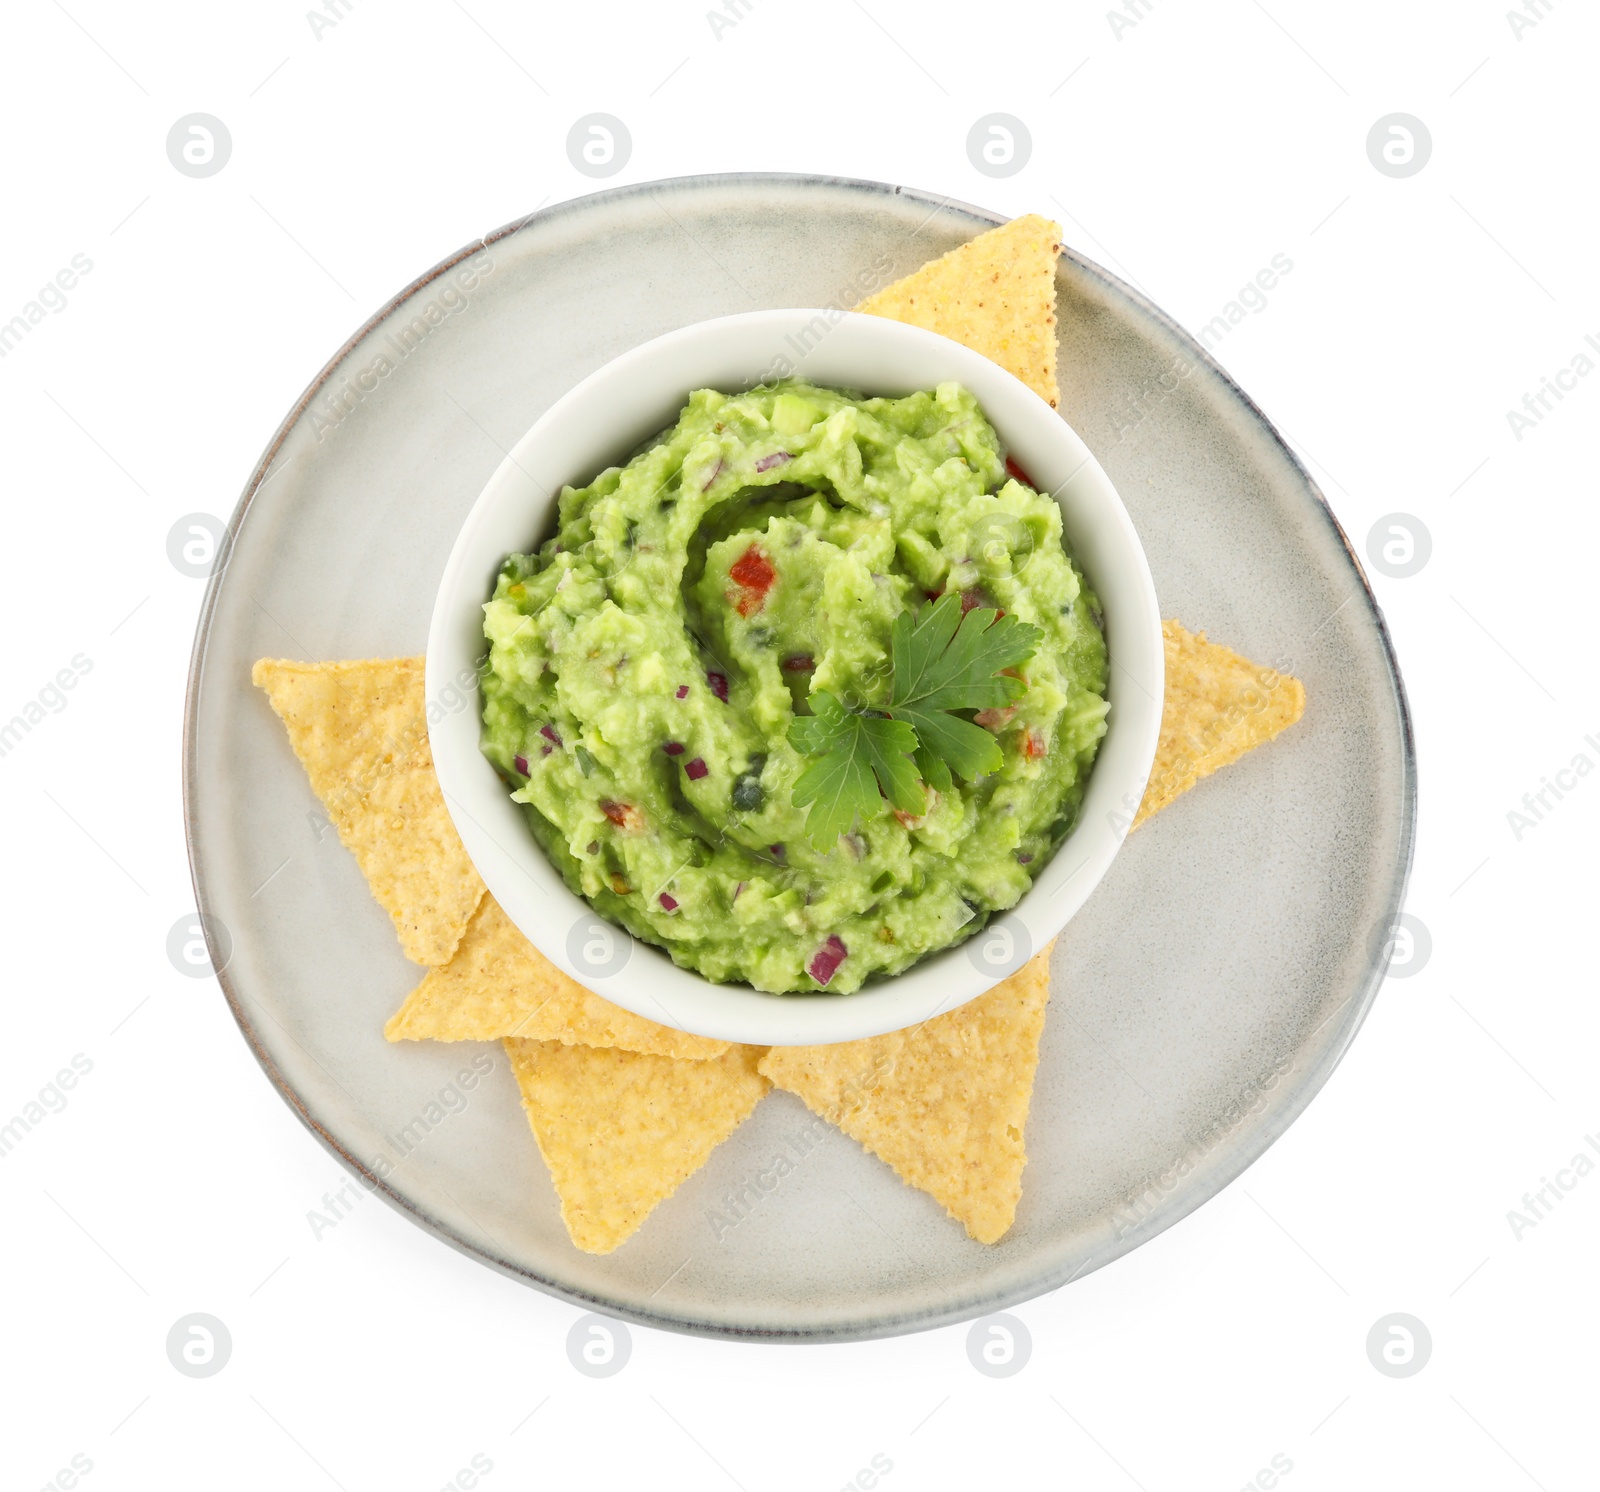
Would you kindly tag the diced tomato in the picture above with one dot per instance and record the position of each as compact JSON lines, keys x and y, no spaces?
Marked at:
{"x":995,"y":718}
{"x":1033,"y":745}
{"x":752,"y":572}
{"x":971,"y":599}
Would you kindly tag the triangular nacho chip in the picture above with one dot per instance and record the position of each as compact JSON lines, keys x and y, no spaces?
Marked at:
{"x":1218,"y":706}
{"x":622,"y":1131}
{"x":498,"y":984}
{"x":360,"y":730}
{"x":945,"y":1103}
{"x":996,"y":295}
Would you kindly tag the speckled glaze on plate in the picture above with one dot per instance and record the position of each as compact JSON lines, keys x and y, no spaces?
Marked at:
{"x":1201,"y":997}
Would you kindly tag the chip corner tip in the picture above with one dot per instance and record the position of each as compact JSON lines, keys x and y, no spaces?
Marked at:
{"x":988,"y":1234}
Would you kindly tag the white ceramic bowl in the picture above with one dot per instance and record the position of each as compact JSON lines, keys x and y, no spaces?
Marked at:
{"x":596,"y":425}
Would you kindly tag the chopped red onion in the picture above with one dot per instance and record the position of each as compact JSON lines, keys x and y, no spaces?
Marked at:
{"x":737,"y":889}
{"x":826,"y":960}
{"x":683,"y":691}
{"x":696,"y":769}
{"x":716,"y":472}
{"x":719,"y":684}
{"x":669,"y":902}
{"x":549,"y":733}
{"x":777,"y":458}
{"x":673,"y":748}
{"x":800,"y":663}
{"x":521,"y":764}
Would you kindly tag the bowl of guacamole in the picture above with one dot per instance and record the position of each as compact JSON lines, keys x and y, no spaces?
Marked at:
{"x":795,"y":716}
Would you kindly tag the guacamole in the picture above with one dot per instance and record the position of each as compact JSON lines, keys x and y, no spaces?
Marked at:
{"x":646,"y":661}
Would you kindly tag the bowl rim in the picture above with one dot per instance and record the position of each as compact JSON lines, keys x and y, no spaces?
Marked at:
{"x":642,"y":978}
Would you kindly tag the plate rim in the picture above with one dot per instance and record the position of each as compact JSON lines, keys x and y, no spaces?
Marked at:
{"x":901,"y":1322}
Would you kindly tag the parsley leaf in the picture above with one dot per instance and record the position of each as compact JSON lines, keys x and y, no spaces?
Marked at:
{"x":946,"y":662}
{"x":860,"y":753}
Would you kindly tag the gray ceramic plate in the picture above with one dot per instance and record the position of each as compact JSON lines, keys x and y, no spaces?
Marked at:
{"x":1201,"y":997}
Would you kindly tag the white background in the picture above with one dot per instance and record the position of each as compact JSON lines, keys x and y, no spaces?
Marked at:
{"x":1184,"y":152}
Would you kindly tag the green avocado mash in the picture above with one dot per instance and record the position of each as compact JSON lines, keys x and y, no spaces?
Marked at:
{"x":645,"y":665}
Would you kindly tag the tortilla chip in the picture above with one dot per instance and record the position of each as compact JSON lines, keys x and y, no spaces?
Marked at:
{"x":996,"y":295}
{"x":360,"y":730}
{"x":1218,"y":706}
{"x":622,"y":1131}
{"x":945,"y":1103}
{"x":500,"y":985}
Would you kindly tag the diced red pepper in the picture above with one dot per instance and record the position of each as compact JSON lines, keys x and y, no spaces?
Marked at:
{"x":753,"y":569}
{"x":752,"y":572}
{"x":623,"y":815}
{"x":1013,"y":470}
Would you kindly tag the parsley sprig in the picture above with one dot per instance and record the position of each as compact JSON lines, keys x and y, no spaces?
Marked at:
{"x":945,"y":662}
